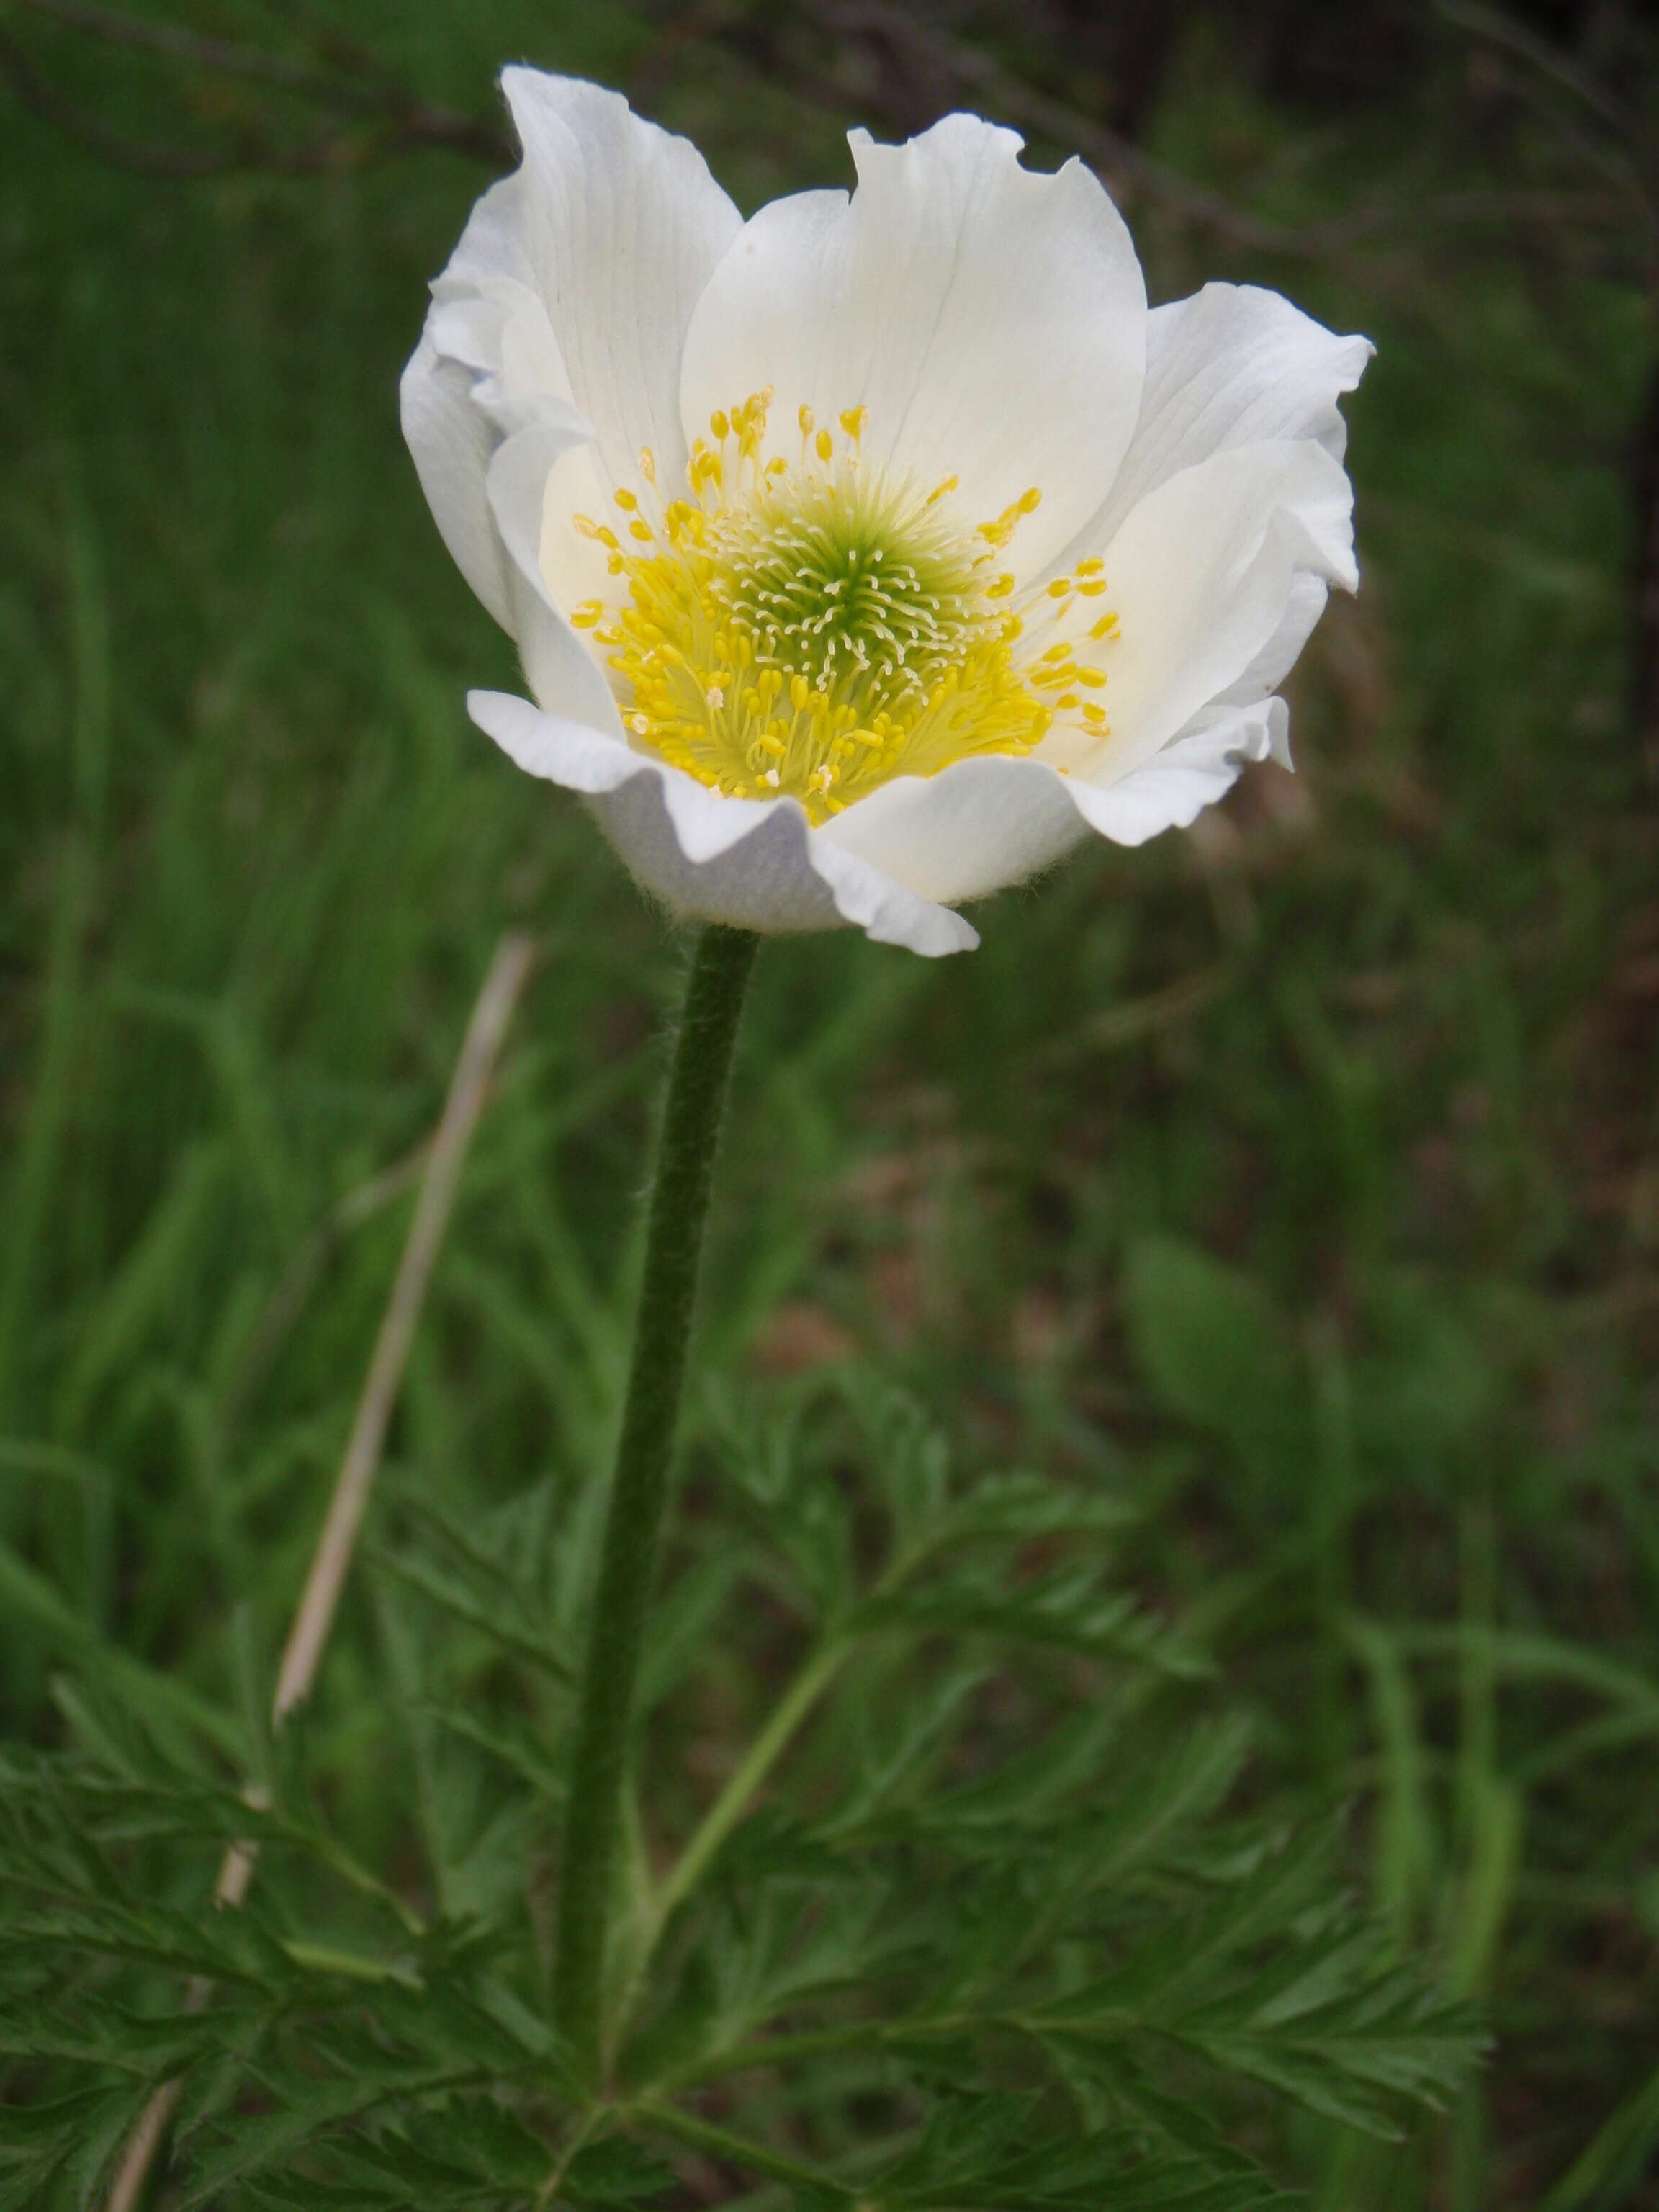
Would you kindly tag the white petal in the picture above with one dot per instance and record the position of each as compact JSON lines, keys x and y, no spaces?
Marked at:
{"x":1201,"y":576}
{"x":567,"y":297}
{"x":1232,"y":366}
{"x":492,"y":244}
{"x":451,"y":442}
{"x":499,"y":332}
{"x":973,"y":829}
{"x":752,"y":865}
{"x":1279,"y":655}
{"x":620,"y":226}
{"x":990,"y":822}
{"x":1172,"y":789}
{"x":561,"y":670}
{"x":990,"y":318}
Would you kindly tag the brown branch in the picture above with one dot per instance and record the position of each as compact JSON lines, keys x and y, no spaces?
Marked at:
{"x":398,"y":119}
{"x":962,"y":70}
{"x":1501,"y":30}
{"x":143,"y":157}
{"x":219,"y":57}
{"x":469,"y":1089}
{"x":1103,"y":149}
{"x":1638,"y":169}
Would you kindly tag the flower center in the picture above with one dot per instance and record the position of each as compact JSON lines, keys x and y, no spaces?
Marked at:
{"x":813,"y":629}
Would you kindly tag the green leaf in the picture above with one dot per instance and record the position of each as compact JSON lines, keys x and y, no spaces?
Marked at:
{"x":1214,"y":1350}
{"x":996,"y":2150}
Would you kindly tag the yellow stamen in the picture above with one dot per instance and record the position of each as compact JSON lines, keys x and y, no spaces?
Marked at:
{"x":810,"y":630}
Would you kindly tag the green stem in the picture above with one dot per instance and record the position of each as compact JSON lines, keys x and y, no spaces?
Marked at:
{"x":639,"y":1492}
{"x":729,"y":1808}
{"x":739,"y":2151}
{"x":867,"y":2035}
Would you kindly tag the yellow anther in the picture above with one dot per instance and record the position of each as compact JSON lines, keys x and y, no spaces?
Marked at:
{"x":1090,"y":568}
{"x":1029,"y":500}
{"x":791,"y":629}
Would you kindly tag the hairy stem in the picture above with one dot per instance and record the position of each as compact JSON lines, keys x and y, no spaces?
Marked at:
{"x":639,"y":1492}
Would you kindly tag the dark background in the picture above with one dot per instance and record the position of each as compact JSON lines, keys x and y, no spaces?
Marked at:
{"x":1301,"y":1174}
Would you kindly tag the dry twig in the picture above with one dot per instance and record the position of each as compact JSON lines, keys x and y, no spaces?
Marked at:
{"x":468,"y":1090}
{"x":349,"y":82}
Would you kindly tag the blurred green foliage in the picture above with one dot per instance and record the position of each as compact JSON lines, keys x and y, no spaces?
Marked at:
{"x":1295,"y":1183}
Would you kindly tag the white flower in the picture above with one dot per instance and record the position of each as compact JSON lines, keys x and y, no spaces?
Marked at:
{"x":864,"y":556}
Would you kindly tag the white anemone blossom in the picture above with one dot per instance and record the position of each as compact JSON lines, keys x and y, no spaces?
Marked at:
{"x":864,"y":556}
